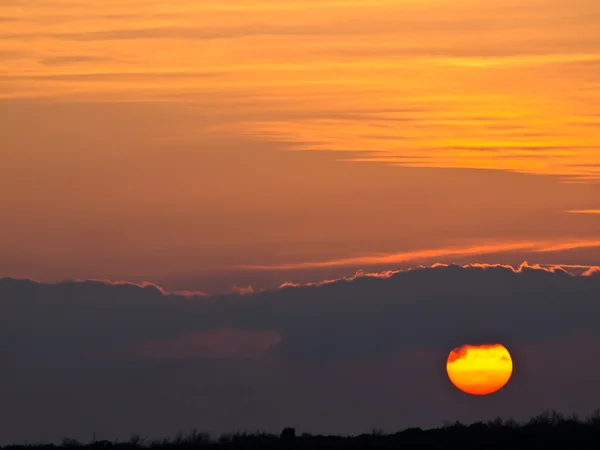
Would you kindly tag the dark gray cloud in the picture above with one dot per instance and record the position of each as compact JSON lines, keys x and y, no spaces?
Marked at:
{"x":116,"y":358}
{"x":346,"y":318}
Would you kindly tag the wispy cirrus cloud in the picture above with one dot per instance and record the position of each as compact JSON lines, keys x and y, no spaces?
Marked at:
{"x":522,"y":247}
{"x":457,"y":62}
{"x":585,"y":211}
{"x":72,"y":59}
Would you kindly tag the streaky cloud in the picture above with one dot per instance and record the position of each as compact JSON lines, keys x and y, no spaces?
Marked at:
{"x":584,"y":211}
{"x":432,"y":254}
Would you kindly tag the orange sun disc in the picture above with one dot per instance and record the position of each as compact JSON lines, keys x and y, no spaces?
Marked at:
{"x":479,"y":369}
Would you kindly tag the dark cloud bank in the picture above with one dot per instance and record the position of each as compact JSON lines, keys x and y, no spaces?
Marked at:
{"x":343,"y":357}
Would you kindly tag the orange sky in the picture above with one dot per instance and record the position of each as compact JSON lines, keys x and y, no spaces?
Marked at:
{"x":146,"y":139}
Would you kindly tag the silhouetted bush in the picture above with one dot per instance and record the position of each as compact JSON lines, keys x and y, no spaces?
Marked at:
{"x":288,"y":434}
{"x":549,"y":430}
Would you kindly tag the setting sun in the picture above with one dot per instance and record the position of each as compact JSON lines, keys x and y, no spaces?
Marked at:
{"x":479,"y":369}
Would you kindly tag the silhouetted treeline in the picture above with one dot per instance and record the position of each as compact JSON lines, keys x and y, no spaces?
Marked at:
{"x":549,"y":430}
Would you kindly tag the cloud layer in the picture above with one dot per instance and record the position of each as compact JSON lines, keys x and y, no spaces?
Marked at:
{"x":121,"y":358}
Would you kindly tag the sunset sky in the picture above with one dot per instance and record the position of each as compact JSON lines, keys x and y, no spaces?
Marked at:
{"x":233,"y":146}
{"x":182,"y":142}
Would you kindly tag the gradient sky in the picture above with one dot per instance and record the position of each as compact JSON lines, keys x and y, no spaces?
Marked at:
{"x":183,"y":143}
{"x":232,"y":146}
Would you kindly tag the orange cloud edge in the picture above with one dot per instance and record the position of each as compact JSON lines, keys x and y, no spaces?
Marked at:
{"x":551,"y":268}
{"x":235,"y":290}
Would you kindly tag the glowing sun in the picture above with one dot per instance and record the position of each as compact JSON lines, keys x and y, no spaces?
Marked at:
{"x":479,"y":369}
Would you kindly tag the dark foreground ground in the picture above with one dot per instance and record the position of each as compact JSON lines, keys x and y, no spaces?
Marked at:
{"x":546,"y":431}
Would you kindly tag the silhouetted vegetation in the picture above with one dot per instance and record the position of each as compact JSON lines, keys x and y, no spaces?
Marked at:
{"x":550,"y":430}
